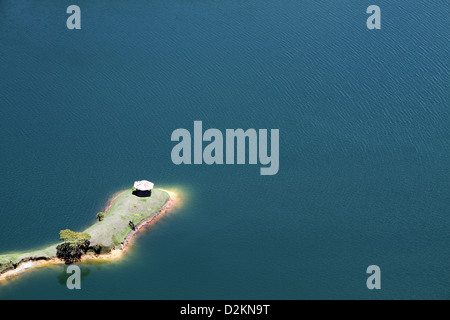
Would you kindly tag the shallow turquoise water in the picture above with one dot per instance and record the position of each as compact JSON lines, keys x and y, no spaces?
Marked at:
{"x":364,"y":144}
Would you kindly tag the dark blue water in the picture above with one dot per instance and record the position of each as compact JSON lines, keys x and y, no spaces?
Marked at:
{"x":364,"y":145}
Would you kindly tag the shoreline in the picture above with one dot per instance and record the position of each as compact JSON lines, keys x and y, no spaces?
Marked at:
{"x":113,"y":255}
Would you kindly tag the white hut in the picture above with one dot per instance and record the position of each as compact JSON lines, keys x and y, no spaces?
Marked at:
{"x":143,"y":188}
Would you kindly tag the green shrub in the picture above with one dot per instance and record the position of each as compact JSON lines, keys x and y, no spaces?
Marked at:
{"x":75,"y":245}
{"x":100,"y":216}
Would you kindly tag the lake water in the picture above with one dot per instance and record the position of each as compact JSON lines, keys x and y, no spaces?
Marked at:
{"x":364,"y":126}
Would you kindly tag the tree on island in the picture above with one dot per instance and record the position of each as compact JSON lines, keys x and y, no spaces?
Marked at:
{"x":74,"y":246}
{"x":100,"y":216}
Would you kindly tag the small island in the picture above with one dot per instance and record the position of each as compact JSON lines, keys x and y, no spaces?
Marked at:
{"x":124,"y":216}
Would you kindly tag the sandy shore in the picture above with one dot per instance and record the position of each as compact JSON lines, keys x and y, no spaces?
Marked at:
{"x":111,"y":256}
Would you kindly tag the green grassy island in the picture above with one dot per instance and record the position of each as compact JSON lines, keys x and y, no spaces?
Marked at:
{"x":127,"y":213}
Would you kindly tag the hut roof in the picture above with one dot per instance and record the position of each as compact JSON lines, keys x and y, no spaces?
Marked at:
{"x":143,"y":185}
